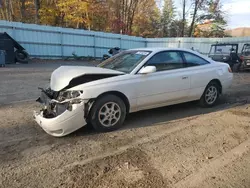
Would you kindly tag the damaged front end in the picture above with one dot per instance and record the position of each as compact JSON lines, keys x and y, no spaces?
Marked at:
{"x":65,"y":109}
{"x":63,"y":112}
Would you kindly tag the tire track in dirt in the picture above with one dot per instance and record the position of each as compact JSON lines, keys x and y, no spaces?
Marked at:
{"x":143,"y":140}
{"x":122,"y":149}
{"x":168,"y":136}
{"x":240,"y":113}
{"x":131,"y":168}
{"x":211,"y":168}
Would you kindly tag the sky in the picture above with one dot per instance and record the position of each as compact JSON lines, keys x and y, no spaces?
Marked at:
{"x":237,"y":11}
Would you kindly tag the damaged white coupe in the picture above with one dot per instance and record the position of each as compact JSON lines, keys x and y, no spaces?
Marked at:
{"x":130,"y":81}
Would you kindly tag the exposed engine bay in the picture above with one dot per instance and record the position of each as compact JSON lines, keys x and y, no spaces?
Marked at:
{"x":55,"y":103}
{"x":65,"y":103}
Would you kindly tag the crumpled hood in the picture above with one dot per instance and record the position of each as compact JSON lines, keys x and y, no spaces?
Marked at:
{"x":63,"y":76}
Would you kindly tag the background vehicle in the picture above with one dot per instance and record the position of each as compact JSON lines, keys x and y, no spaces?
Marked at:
{"x":130,"y":81}
{"x":245,"y":56}
{"x":227,"y":53}
{"x":112,"y":52}
{"x":14,"y":51}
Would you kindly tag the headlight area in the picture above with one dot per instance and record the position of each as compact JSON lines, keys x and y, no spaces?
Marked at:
{"x":66,"y":100}
{"x":62,"y":113}
{"x":66,"y":95}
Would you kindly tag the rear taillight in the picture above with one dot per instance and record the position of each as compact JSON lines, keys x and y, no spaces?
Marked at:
{"x":229,"y":69}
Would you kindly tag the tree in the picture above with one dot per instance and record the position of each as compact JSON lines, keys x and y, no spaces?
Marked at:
{"x":75,"y":13}
{"x":124,"y":13}
{"x":183,"y":17}
{"x":176,"y":28}
{"x":147,"y":20}
{"x":212,"y":23}
{"x":167,"y":17}
{"x":132,"y":17}
{"x":197,"y":4}
{"x":50,"y":13}
{"x":22,"y":9}
{"x":37,"y":8}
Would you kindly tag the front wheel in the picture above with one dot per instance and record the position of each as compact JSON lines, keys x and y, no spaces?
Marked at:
{"x":108,"y":113}
{"x":210,"y":95}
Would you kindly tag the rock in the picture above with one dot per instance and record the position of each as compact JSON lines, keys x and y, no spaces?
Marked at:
{"x":106,"y":169}
{"x":209,"y":157}
{"x":126,"y":165}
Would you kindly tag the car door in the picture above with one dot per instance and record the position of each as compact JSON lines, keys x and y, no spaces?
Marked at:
{"x":169,"y":84}
{"x":201,"y":73}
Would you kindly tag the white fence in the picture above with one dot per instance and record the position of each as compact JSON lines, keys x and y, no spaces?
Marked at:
{"x":56,"y":42}
{"x":51,"y":42}
{"x":199,"y":44}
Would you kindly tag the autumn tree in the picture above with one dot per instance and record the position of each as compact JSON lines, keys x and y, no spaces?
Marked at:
{"x":132,"y":17}
{"x":7,"y":11}
{"x":124,"y":14}
{"x":75,"y":13}
{"x":147,"y":20}
{"x":215,"y":22}
{"x":197,"y":5}
{"x":37,"y":9}
{"x":50,"y":14}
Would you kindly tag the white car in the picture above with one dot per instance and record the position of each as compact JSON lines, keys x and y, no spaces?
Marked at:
{"x":130,"y":81}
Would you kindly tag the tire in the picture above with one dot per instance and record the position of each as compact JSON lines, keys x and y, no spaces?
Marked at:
{"x":103,"y":118}
{"x":21,"y":56}
{"x":211,"y":87}
{"x":236,"y":67}
{"x":105,"y":56}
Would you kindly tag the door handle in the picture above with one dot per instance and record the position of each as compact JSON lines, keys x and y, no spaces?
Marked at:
{"x":184,"y":77}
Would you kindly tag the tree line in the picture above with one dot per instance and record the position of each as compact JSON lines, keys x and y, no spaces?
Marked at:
{"x":193,"y":18}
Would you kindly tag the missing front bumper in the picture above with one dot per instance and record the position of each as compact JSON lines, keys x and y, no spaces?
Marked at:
{"x":61,"y":125}
{"x":60,"y":119}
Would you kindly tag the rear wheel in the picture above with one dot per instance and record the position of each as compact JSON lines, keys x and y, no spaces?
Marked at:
{"x":236,"y":67}
{"x":108,"y":113}
{"x":210,"y":95}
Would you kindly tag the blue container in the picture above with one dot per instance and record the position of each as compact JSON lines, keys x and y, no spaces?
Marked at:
{"x":2,"y":58}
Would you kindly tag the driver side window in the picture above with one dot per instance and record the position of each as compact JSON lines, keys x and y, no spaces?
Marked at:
{"x":166,"y":61}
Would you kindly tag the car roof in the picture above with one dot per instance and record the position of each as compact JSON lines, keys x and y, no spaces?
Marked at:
{"x":157,"y":49}
{"x":223,"y":44}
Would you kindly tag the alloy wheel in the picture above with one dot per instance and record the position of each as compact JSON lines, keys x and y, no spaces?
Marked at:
{"x":211,"y":95}
{"x":109,"y":114}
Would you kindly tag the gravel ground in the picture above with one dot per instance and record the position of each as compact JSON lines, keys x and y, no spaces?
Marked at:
{"x":26,"y":78}
{"x":177,"y":146}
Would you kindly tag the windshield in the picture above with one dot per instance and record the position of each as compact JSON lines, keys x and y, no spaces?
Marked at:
{"x":222,"y":50}
{"x":246,"y":50}
{"x":125,"y":61}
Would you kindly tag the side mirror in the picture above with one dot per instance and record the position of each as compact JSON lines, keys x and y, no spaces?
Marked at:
{"x":147,"y":70}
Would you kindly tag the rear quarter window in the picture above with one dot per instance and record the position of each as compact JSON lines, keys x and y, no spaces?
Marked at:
{"x":194,"y":60}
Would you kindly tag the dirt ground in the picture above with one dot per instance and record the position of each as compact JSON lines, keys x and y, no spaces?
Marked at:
{"x":177,"y":146}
